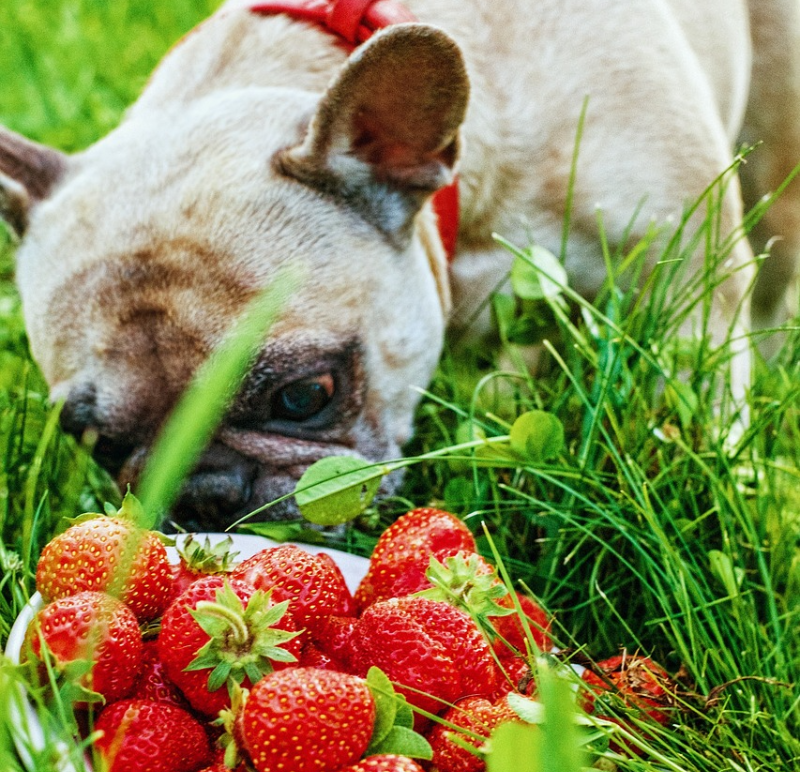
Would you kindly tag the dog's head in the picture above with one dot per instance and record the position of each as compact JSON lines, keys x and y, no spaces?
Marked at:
{"x":139,"y":253}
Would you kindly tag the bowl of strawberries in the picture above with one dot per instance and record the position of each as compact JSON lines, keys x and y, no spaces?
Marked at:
{"x":234,"y":652}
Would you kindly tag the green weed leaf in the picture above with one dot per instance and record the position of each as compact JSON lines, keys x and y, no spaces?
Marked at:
{"x":536,"y":274}
{"x":537,"y":436}
{"x":337,"y":489}
{"x":729,"y":575}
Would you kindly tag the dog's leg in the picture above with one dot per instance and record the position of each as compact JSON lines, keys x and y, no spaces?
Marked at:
{"x":773,"y":118}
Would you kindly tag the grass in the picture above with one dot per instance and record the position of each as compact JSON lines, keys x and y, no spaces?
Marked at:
{"x":650,"y":529}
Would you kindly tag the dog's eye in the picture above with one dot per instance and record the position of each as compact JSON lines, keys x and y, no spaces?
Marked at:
{"x":303,"y":399}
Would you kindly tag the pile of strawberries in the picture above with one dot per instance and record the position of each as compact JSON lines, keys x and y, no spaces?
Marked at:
{"x":272,"y":664}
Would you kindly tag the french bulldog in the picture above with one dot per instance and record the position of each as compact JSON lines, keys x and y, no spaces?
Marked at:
{"x":263,"y":140}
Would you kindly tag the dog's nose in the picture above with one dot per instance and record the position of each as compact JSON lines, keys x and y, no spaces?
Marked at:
{"x":217,"y":490}
{"x":79,"y":411}
{"x":80,"y":414}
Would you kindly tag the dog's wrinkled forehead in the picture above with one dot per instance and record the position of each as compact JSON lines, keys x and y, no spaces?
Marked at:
{"x":188,"y":215}
{"x":204,"y":169}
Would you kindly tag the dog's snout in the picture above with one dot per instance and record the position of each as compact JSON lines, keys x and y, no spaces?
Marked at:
{"x":217,"y":490}
{"x":79,"y":411}
{"x":80,"y":415}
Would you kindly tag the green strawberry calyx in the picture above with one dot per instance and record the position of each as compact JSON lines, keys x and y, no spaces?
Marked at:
{"x":130,"y":511}
{"x":242,"y":640}
{"x":227,"y":720}
{"x":203,"y":558}
{"x":462,"y":581}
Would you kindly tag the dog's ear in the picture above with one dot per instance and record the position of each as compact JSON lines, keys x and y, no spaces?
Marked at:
{"x":28,"y":172}
{"x":386,"y":132}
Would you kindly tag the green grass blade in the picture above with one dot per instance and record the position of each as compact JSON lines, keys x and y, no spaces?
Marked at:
{"x":194,"y":420}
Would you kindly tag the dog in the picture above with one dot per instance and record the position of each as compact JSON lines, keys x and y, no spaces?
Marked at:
{"x":272,"y":135}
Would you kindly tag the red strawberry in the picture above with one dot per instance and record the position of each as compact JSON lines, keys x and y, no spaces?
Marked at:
{"x":198,"y":560}
{"x":314,"y":657}
{"x":91,"y":627}
{"x":307,"y":720}
{"x":512,"y":629}
{"x":153,"y":683}
{"x":424,"y":645}
{"x":478,"y":716}
{"x":348,"y":607}
{"x":332,"y":637}
{"x":219,"y":629}
{"x":385,"y":762}
{"x":221,"y":766}
{"x":313,"y":584}
{"x":218,"y":763}
{"x":640,"y":683}
{"x":516,"y":677}
{"x":403,"y":552}
{"x":150,"y":737}
{"x":107,"y":554}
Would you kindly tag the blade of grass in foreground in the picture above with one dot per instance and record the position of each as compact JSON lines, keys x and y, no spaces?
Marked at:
{"x":194,"y":420}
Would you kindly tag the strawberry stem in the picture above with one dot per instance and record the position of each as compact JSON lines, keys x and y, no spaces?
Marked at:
{"x":240,"y":635}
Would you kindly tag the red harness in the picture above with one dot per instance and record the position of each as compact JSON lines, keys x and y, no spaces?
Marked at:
{"x":355,"y":21}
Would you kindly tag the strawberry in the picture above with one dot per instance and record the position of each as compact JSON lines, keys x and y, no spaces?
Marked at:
{"x":511,"y":628}
{"x":198,"y":560}
{"x":307,"y":720}
{"x":385,"y":762}
{"x":218,"y":763}
{"x":403,"y":552}
{"x":517,"y":677}
{"x":153,"y":684}
{"x":313,"y":584}
{"x":424,"y":645}
{"x":470,"y":583}
{"x":222,"y":629}
{"x":640,"y":683}
{"x":315,"y":657}
{"x":108,"y":554}
{"x":332,"y":637}
{"x":477,"y":716}
{"x":91,"y":627}
{"x":221,"y":766}
{"x":150,"y":737}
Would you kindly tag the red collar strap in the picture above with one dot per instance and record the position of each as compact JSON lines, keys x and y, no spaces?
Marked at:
{"x":355,"y":21}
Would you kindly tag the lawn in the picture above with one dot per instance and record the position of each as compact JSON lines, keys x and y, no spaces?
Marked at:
{"x":652,"y":527}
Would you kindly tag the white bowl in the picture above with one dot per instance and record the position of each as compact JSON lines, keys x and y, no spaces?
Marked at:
{"x":27,"y":731}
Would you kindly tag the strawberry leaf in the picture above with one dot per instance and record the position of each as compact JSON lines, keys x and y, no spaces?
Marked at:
{"x":219,"y":676}
{"x":403,"y":741}
{"x":527,"y":709}
{"x":393,"y":732}
{"x":404,"y":716}
{"x":385,"y":704}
